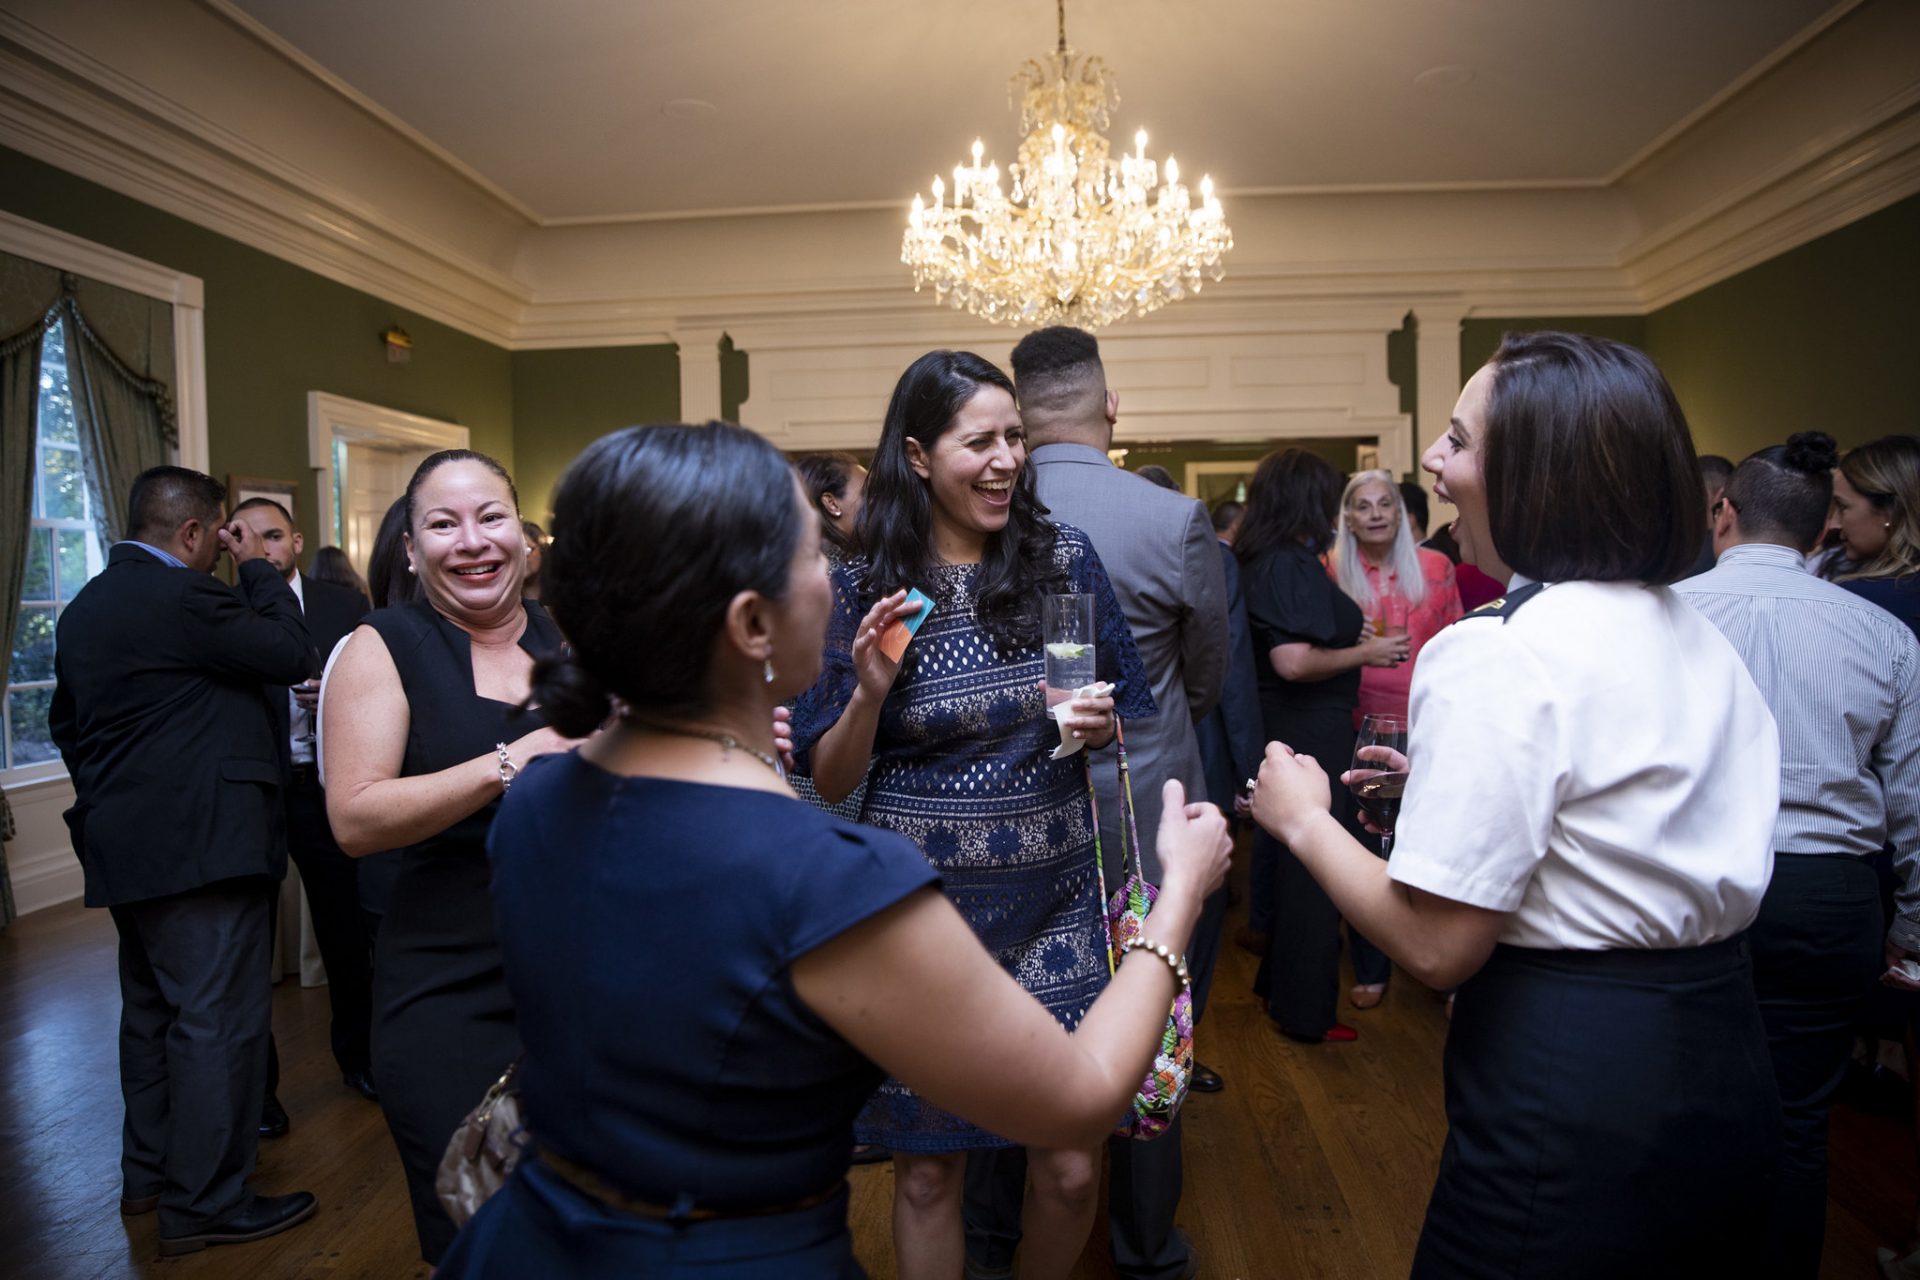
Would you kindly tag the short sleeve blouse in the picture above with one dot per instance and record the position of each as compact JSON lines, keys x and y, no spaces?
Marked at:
{"x":1290,"y":600}
{"x":648,"y":929}
{"x":1597,"y":762}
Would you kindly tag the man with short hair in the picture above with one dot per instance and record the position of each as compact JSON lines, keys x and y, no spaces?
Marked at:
{"x":161,"y":716}
{"x":1159,"y":549}
{"x":1842,"y":678}
{"x":331,"y":878}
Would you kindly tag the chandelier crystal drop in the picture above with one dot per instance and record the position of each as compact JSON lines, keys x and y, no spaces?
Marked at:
{"x":1081,"y":238}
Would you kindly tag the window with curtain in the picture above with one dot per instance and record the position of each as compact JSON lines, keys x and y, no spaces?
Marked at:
{"x":63,"y":551}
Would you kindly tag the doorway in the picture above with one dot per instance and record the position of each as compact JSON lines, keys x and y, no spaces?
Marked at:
{"x":365,"y":454}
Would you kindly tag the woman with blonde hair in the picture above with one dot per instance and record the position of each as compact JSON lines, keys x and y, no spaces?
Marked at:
{"x":1400,"y":586}
{"x":1876,"y":508}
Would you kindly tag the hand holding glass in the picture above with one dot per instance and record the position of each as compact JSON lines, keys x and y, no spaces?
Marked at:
{"x":1067,"y":632}
{"x":1379,"y":773}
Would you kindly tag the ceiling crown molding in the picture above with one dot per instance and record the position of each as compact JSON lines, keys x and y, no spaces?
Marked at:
{"x":64,"y":106}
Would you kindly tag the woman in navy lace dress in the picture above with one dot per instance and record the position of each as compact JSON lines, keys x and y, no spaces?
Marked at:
{"x":959,"y":744}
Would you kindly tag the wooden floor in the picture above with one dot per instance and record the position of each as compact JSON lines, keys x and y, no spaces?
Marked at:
{"x":1314,"y":1161}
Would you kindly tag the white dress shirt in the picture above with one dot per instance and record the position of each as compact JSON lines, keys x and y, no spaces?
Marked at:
{"x":299,"y":719}
{"x":1598,"y":764}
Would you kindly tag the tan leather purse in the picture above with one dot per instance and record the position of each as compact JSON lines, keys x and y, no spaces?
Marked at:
{"x":484,"y":1149}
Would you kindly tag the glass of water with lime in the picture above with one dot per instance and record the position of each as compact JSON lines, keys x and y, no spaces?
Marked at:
{"x":1067,"y":631}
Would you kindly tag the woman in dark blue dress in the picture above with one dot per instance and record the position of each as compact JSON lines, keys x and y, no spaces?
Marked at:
{"x":707,"y":969}
{"x":955,"y":744}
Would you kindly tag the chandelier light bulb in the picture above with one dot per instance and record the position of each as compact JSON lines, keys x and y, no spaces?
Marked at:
{"x":1173,"y":172}
{"x":1206,"y":186}
{"x":979,"y":149}
{"x":1140,"y":145}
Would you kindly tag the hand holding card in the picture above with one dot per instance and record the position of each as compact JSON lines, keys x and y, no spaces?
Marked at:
{"x":898,"y":633}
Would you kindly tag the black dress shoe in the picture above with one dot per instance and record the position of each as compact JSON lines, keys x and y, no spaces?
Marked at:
{"x":1205,"y":1079}
{"x":361,"y":1082}
{"x":273,"y":1119}
{"x":256,"y":1219}
{"x":134,"y":1206}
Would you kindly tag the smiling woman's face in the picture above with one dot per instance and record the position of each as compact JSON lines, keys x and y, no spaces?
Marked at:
{"x":466,"y":544}
{"x":971,"y":471}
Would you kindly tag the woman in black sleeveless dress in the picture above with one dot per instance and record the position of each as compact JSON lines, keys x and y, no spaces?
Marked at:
{"x":424,"y":733}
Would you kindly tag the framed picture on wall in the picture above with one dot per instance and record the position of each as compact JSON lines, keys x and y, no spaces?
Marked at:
{"x":241,"y":488}
{"x":1366,"y":457}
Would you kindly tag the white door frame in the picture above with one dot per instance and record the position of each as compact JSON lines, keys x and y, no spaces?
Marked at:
{"x":331,"y":417}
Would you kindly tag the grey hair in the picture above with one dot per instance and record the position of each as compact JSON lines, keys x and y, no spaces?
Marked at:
{"x":1403,"y":558}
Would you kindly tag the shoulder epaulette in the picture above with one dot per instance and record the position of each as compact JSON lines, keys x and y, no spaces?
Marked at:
{"x":1507,"y":605}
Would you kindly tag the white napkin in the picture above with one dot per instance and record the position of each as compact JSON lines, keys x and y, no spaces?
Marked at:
{"x":1068,"y":743}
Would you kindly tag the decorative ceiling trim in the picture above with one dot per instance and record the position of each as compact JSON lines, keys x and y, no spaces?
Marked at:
{"x":63,"y":107}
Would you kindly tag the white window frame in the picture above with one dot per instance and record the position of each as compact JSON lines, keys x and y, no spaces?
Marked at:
{"x":187,"y":295}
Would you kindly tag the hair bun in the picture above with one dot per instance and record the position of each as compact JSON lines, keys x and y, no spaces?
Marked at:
{"x":1811,"y":451}
{"x":572,"y":699}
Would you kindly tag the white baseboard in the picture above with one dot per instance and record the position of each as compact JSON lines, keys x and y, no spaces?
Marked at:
{"x":46,"y":880}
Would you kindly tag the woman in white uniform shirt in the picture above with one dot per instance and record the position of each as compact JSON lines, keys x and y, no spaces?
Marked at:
{"x":1586,"y":833}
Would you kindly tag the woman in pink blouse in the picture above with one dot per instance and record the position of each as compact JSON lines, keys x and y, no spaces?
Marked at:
{"x":1399,"y":585}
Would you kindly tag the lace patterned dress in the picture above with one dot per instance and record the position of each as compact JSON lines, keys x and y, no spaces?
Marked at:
{"x":960,"y":767}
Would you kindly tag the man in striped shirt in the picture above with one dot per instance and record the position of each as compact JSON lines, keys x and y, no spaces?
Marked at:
{"x":1842,"y":678}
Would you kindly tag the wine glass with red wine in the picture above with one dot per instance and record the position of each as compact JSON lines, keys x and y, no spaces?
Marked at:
{"x":1380,"y":772}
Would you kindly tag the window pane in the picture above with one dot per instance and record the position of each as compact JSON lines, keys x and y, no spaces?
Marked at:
{"x":73,"y":562}
{"x":56,"y":392}
{"x":62,"y":486}
{"x":32,"y":646}
{"x":27,"y":717}
{"x":39,"y":581}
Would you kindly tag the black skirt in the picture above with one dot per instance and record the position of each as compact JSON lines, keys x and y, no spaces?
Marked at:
{"x":1611,"y":1114}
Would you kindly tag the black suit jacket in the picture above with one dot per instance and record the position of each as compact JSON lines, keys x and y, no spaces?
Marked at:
{"x":161,"y":711}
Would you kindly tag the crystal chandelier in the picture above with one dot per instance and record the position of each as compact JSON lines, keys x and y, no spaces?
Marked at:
{"x":1082,"y":239}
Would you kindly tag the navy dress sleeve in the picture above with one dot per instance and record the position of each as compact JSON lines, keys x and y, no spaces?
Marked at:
{"x":850,"y":874}
{"x":1116,"y":658}
{"x":818,"y":709}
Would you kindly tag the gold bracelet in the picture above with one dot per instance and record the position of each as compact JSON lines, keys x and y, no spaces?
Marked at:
{"x":1140,"y":942}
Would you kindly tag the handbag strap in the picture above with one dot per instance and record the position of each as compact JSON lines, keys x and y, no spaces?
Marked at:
{"x":1129,"y":827}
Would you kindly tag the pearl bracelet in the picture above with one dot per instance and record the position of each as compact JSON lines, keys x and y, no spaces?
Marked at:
{"x":1140,"y":942}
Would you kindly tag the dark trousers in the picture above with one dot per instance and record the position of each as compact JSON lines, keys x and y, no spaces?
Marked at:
{"x":1816,"y":957}
{"x":195,"y":1010}
{"x":333,"y":899}
{"x":1144,"y":1179}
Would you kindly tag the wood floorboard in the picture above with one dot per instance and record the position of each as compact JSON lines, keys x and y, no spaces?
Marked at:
{"x":1314,"y":1162}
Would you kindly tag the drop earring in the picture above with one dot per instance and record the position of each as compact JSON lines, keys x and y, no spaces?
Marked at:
{"x":767,"y":667}
{"x":410,"y":568}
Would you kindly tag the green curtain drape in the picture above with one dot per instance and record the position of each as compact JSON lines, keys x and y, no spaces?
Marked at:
{"x":19,"y":399}
{"x":125,"y":417}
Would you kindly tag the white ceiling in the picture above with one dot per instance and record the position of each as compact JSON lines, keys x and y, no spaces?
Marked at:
{"x":563,"y":107}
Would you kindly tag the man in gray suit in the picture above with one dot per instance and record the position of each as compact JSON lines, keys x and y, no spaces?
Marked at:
{"x":1159,"y":549}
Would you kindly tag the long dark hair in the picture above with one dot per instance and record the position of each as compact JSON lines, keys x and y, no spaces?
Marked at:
{"x":824,"y":474}
{"x":388,"y":580}
{"x":896,"y":516}
{"x":330,"y":564}
{"x":1292,"y":500}
{"x":655,"y":530}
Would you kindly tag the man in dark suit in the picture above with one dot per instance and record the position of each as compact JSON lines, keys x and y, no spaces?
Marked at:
{"x":1158,"y":548}
{"x":161,"y":716}
{"x":330,"y":876}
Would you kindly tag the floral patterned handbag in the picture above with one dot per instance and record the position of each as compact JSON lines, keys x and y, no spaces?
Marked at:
{"x":1158,"y":1099}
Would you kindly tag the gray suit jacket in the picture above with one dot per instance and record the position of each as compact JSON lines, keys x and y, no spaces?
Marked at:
{"x":1158,"y":548}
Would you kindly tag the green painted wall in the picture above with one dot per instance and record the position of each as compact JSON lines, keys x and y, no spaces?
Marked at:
{"x":1822,"y":337}
{"x":275,"y":331}
{"x":565,"y":400}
